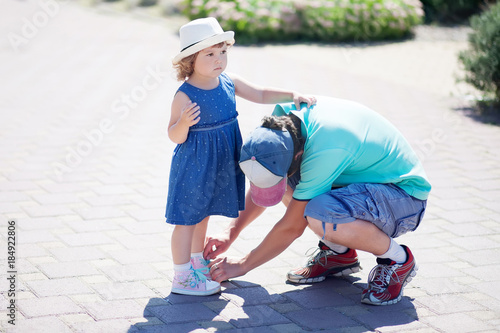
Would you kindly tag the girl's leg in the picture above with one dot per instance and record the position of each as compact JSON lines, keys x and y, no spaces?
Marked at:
{"x":182,"y":238}
{"x":200,"y":232}
{"x":197,"y":248}
{"x":186,"y":281}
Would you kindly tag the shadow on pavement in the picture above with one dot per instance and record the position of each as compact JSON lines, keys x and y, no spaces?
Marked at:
{"x":489,"y":115}
{"x":331,"y":305}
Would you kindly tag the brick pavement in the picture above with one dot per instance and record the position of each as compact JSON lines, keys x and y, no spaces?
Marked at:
{"x":84,"y":106}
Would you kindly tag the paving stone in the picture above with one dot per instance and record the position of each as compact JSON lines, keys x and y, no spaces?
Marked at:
{"x":108,"y":200}
{"x":36,"y":236}
{"x":41,"y":325}
{"x":398,"y":318}
{"x":474,"y":243}
{"x":459,"y":323}
{"x":18,"y":186}
{"x":115,"y":309}
{"x":135,"y":272}
{"x":486,"y":273}
{"x":320,"y":298}
{"x":440,"y":286}
{"x":469,"y":229}
{"x":448,"y":303}
{"x":189,"y":327}
{"x":68,"y":269}
{"x":92,"y":225}
{"x":488,"y":288}
{"x":207,"y":300}
{"x":182,"y":313}
{"x":86,"y":238}
{"x":48,"y":306}
{"x":57,"y":287}
{"x":122,"y":290}
{"x":13,"y":196}
{"x":111,"y":326}
{"x":251,"y":296}
{"x":137,"y":256}
{"x":49,"y":210}
{"x":321,"y":319}
{"x":52,"y":199}
{"x":39,"y":223}
{"x":145,"y":227}
{"x":81,"y":253}
{"x":253,"y":315}
{"x":100,"y":212}
{"x":139,"y":242}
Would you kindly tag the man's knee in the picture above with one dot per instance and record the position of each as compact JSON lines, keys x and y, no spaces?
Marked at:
{"x":314,"y":224}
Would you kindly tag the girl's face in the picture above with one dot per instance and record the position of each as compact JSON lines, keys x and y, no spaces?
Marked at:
{"x":211,"y":62}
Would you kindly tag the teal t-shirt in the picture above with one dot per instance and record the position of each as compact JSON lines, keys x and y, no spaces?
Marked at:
{"x":347,"y":143}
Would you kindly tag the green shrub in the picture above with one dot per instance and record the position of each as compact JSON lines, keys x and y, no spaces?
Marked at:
{"x":319,"y":20}
{"x":482,"y":60}
{"x":449,"y":11}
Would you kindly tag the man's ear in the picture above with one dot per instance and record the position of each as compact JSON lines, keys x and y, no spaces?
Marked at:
{"x":299,"y":154}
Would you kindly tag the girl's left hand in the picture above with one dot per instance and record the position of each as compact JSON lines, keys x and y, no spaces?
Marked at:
{"x":299,"y":98}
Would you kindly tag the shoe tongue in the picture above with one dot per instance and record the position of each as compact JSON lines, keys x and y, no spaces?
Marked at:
{"x":385,"y":261}
{"x":323,"y":246}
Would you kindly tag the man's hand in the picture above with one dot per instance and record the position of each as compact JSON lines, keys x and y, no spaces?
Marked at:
{"x":223,"y":269}
{"x":215,"y":246}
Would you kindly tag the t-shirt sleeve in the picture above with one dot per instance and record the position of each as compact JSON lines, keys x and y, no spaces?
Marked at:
{"x":319,"y":171}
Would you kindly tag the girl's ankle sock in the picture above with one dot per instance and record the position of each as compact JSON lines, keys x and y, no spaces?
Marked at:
{"x":182,"y":267}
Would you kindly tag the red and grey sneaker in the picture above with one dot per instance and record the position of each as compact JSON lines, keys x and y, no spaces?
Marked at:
{"x":387,"y":279}
{"x":324,"y":262}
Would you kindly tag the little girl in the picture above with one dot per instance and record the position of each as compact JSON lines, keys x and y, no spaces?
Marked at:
{"x":205,"y":178}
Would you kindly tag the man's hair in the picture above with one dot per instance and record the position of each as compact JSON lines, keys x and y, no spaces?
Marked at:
{"x":185,"y":67}
{"x":292,"y":124}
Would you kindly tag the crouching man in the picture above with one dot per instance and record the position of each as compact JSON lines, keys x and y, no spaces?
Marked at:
{"x":345,"y":172}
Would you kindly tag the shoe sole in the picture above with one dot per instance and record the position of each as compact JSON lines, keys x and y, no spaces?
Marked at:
{"x":410,"y":277}
{"x":195,"y":293}
{"x":345,"y":272}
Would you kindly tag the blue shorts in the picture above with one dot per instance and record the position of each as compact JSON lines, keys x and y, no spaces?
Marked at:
{"x":387,"y":206}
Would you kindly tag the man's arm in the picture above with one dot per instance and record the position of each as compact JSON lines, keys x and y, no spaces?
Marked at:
{"x":219,"y":244}
{"x":290,"y":227}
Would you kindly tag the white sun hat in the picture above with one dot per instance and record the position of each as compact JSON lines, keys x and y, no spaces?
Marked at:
{"x":200,"y":34}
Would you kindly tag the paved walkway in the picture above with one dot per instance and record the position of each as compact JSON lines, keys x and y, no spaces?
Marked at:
{"x":84,"y":104}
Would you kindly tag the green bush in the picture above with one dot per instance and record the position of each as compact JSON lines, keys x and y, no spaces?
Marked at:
{"x":318,"y":20}
{"x":449,"y":11}
{"x":482,"y":60}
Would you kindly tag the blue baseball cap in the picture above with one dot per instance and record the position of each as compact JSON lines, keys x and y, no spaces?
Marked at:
{"x":265,"y":159}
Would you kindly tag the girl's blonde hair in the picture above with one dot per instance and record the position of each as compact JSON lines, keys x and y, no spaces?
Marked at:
{"x":185,"y":67}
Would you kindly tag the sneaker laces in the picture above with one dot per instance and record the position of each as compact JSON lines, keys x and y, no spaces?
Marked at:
{"x":317,"y":255}
{"x":199,"y":276}
{"x":381,"y":276}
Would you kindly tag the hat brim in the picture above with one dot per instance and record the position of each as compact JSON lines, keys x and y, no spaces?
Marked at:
{"x":267,"y":197}
{"x":227,"y":36}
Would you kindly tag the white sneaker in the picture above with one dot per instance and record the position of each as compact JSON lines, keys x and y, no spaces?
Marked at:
{"x":193,"y":282}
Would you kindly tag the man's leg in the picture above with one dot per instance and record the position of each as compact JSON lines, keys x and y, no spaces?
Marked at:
{"x":359,"y":234}
{"x":336,"y":254}
{"x":332,"y":257}
{"x":387,"y":209}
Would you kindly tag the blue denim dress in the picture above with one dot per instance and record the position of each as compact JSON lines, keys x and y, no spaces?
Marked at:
{"x":205,"y":178}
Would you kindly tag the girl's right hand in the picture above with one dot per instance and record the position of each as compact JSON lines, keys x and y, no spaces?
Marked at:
{"x":190,"y":115}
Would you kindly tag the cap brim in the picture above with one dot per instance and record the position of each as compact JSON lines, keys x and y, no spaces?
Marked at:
{"x":267,"y":197}
{"x":227,"y":36}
